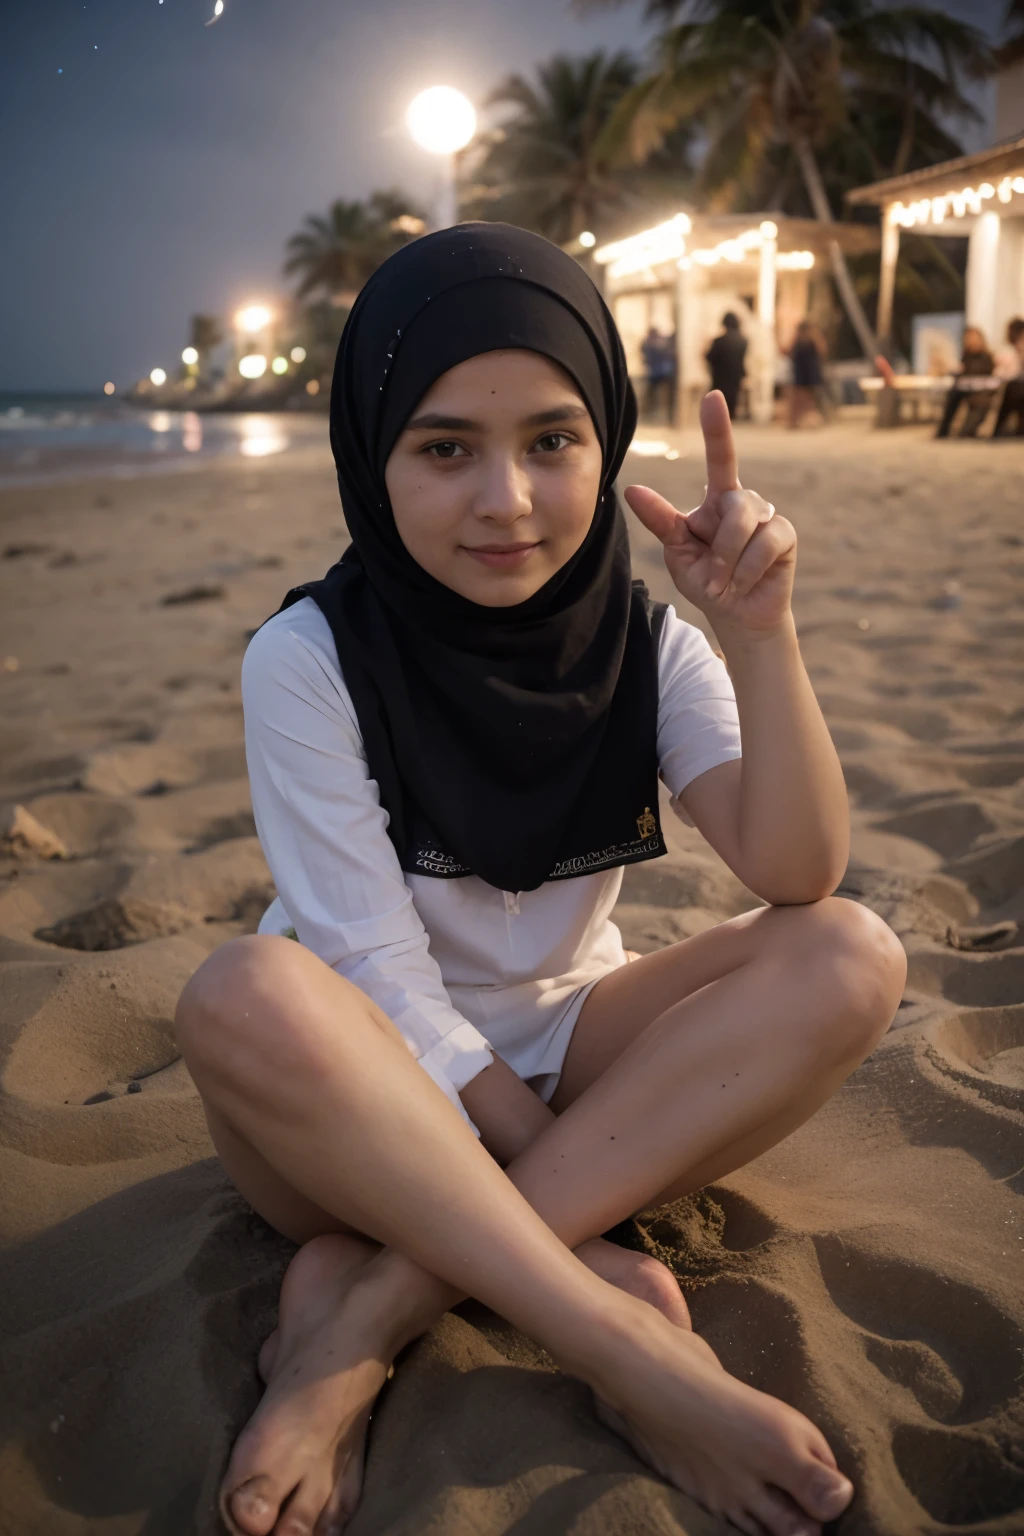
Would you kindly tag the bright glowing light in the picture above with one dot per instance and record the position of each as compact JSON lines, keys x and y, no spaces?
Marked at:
{"x":260,"y":437}
{"x":190,"y":356}
{"x":441,"y":120}
{"x":768,"y":229}
{"x":158,"y":377}
{"x":313,"y":387}
{"x":650,"y":448}
{"x":218,"y":12}
{"x":298,"y":354}
{"x":967,"y":200}
{"x":280,"y":365}
{"x":587,"y":238}
{"x":192,"y":432}
{"x":160,"y":422}
{"x":108,"y":388}
{"x":253,"y":366}
{"x":665,"y":242}
{"x":253,"y":318}
{"x":795,"y":261}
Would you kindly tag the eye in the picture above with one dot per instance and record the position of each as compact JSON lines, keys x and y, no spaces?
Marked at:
{"x":445,"y":450}
{"x":551,"y":442}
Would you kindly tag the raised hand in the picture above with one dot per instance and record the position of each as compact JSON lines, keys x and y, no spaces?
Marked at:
{"x":732,"y":557}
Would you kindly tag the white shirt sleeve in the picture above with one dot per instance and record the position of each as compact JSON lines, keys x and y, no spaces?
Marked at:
{"x":698,"y":723}
{"x":324,"y":836}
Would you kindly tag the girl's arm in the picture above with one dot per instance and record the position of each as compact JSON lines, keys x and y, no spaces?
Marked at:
{"x":779,"y":817}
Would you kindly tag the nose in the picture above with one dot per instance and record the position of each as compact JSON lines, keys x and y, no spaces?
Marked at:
{"x":504,"y":494}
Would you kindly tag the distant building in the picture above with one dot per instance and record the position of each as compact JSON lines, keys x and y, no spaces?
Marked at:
{"x":683,"y":274}
{"x":980,"y":196}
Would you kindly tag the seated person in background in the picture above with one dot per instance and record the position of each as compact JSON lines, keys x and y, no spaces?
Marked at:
{"x":808,"y":378}
{"x":725,"y":360}
{"x":976,"y":362}
{"x":1010,"y":366}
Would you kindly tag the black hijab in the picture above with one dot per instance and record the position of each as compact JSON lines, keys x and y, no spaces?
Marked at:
{"x":514,"y":743}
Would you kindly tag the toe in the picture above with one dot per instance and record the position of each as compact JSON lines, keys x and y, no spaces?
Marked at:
{"x":822,"y":1491}
{"x":777,"y":1513}
{"x":304,"y":1508}
{"x":251,"y":1508}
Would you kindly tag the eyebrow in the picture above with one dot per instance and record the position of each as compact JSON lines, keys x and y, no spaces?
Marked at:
{"x":435,"y":421}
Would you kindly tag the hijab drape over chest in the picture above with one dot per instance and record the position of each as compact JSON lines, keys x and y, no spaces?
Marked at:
{"x":514,"y":743}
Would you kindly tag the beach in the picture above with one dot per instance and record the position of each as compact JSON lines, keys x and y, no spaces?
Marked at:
{"x":868,"y":1270}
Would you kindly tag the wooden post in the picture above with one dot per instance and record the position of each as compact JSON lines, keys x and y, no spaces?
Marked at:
{"x":763,"y":403}
{"x":887,"y":276}
{"x":685,"y":343}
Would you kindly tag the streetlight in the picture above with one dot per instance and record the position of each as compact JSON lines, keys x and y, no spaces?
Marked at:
{"x":253,"y":318}
{"x":279,"y":365}
{"x":252,"y":366}
{"x":190,"y":357}
{"x":298,"y":354}
{"x":158,"y":377}
{"x":108,"y":388}
{"x":587,"y":238}
{"x":442,"y":121}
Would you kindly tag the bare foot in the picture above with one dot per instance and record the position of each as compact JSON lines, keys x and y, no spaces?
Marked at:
{"x":742,"y":1454}
{"x":299,"y":1460}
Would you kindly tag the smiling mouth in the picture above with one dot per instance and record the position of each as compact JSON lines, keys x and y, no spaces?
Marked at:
{"x":503,"y":556}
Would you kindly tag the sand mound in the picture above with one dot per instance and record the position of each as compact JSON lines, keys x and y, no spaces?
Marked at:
{"x":868,"y":1270}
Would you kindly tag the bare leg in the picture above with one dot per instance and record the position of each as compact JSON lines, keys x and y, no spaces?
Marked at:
{"x":343,"y":1123}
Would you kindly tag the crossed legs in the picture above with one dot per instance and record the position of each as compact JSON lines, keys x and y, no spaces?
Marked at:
{"x":683,"y":1065}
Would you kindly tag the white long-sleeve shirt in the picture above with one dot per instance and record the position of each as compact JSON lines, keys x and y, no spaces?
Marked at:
{"x":459,"y":967}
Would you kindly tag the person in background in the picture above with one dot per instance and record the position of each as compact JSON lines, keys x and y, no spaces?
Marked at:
{"x":726,"y":360}
{"x":659,"y":355}
{"x":976,"y":362}
{"x":1010,"y":366}
{"x":808,"y":378}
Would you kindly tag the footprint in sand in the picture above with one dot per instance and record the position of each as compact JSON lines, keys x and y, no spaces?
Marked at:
{"x":942,"y":1339}
{"x":985,"y":1050}
{"x":961,"y":1479}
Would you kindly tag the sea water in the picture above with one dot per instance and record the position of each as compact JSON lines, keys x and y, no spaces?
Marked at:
{"x":49,"y":437}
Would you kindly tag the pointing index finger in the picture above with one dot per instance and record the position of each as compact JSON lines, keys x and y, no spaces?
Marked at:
{"x":719,"y":446}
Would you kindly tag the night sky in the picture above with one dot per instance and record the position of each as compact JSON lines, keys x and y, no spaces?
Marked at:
{"x":153,"y":166}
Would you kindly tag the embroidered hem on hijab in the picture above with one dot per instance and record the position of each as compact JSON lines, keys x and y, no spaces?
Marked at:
{"x":513,"y":743}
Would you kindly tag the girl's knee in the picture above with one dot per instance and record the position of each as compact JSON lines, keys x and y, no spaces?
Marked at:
{"x":241,"y":987}
{"x":864,"y":966}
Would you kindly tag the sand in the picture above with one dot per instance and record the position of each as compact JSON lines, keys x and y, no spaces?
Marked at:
{"x":870,"y":1270}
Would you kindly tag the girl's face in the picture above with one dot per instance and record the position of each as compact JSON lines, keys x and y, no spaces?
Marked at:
{"x":495,"y":477}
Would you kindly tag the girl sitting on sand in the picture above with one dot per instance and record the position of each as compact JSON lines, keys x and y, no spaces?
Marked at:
{"x":454,"y":1082}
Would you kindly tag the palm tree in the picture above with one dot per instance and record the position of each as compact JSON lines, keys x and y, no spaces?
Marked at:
{"x":1012,"y":47}
{"x":335,"y":253}
{"x":543,"y":167}
{"x":779,"y":86}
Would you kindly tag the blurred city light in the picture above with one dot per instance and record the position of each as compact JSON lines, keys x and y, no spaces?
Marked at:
{"x":158,"y":377}
{"x":587,"y":239}
{"x":190,"y":356}
{"x":313,"y":387}
{"x":253,"y":318}
{"x":441,"y":120}
{"x":108,"y":389}
{"x":769,"y":229}
{"x":253,"y":366}
{"x":280,"y":365}
{"x":298,"y":354}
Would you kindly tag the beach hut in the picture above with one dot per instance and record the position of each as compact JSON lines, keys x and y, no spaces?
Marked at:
{"x":682,"y":274}
{"x":980,"y":196}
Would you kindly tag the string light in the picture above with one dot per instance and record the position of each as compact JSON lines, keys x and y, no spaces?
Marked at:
{"x":666,"y":242}
{"x":968,"y":200}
